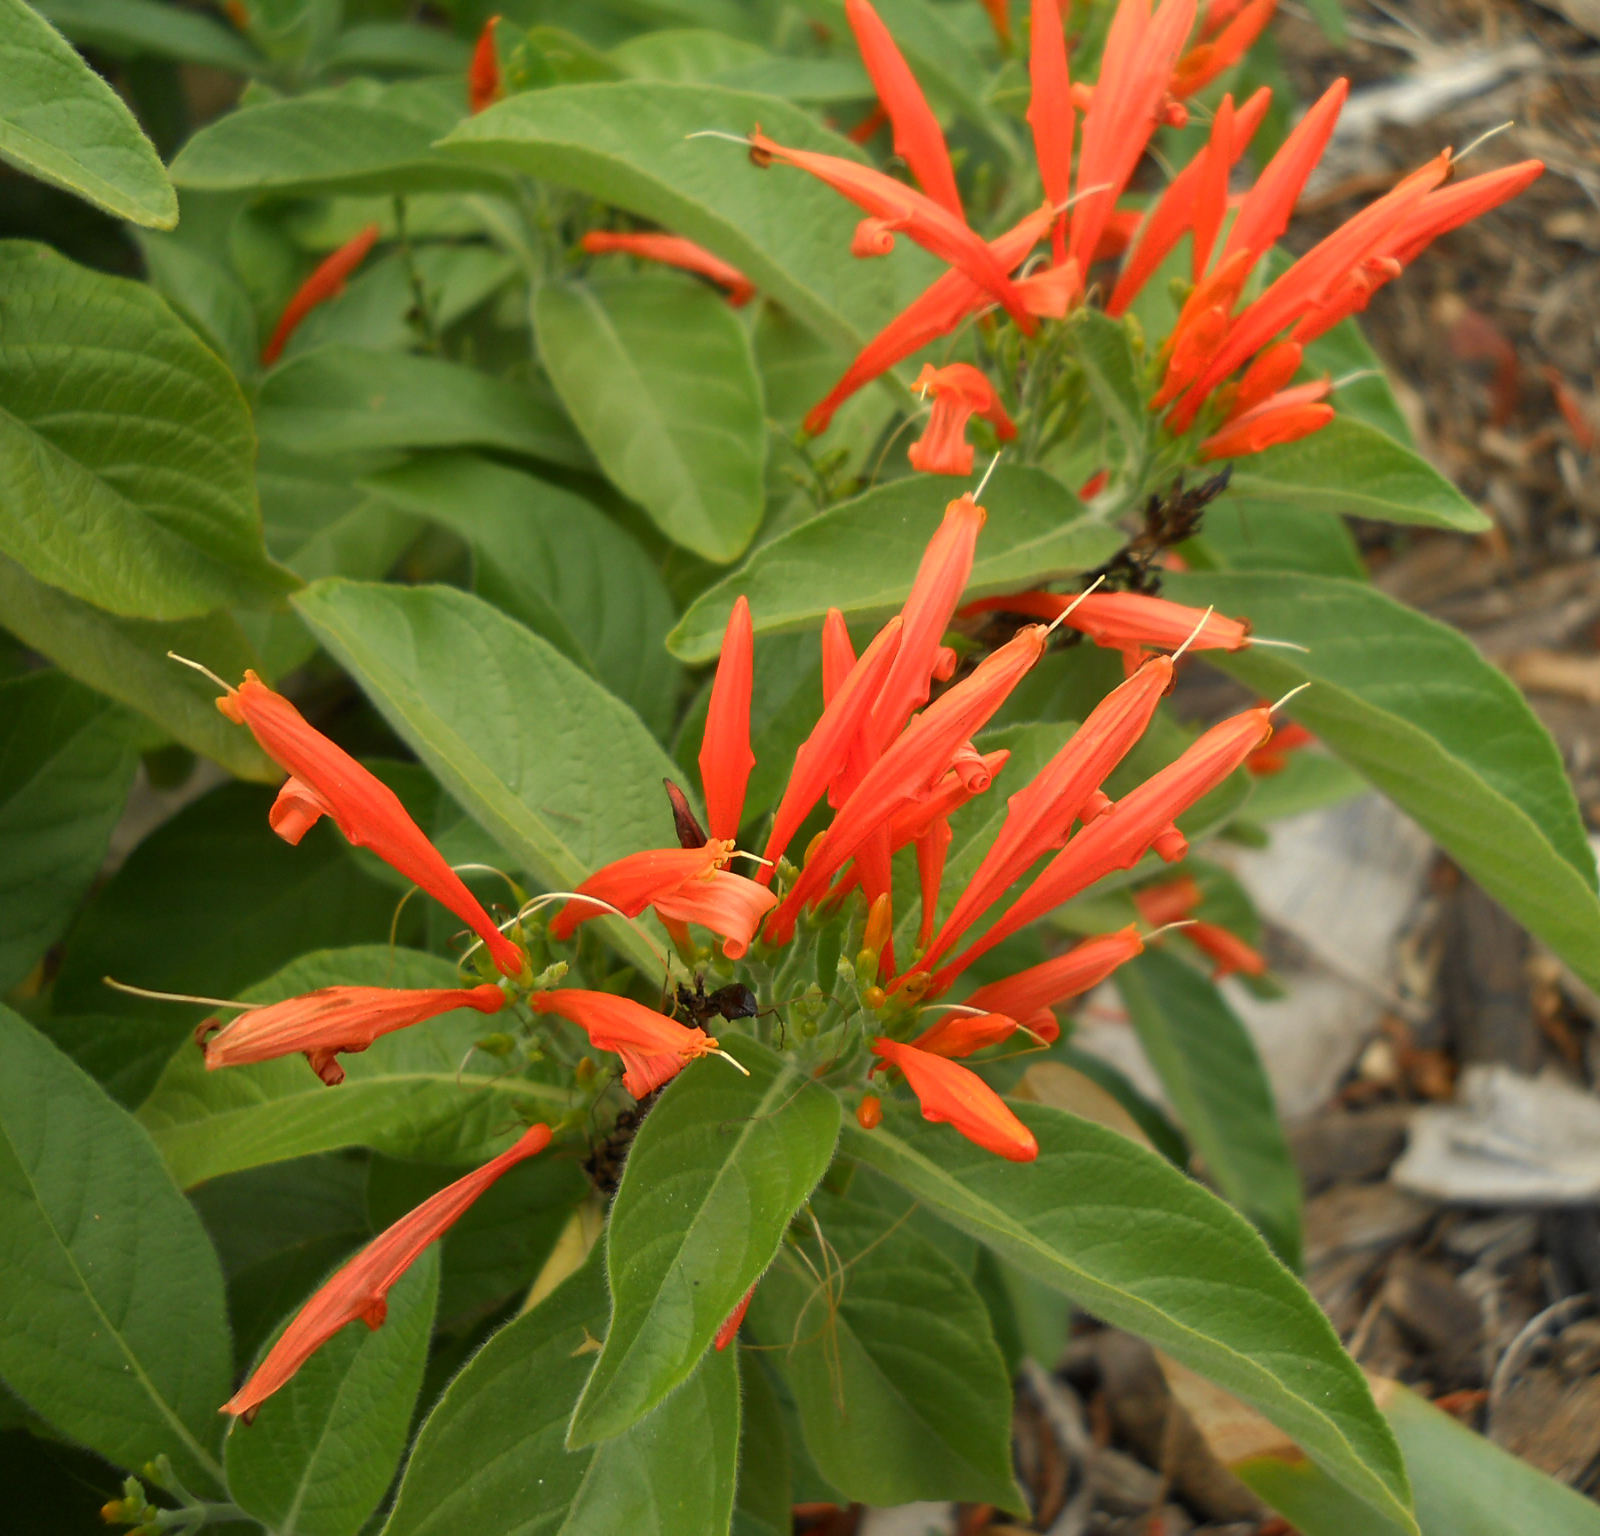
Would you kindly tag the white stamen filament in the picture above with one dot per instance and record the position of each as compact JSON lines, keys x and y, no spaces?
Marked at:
{"x":204,"y":671}
{"x":176,"y":997}
{"x":1194,"y":634}
{"x":1285,"y":699}
{"x":1072,"y":607}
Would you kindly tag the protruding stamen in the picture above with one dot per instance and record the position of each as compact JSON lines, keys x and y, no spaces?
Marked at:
{"x":1155,"y":933}
{"x":1194,"y":634}
{"x":983,"y":482}
{"x":1285,"y":699}
{"x":204,"y":671}
{"x":717,"y":133}
{"x":176,"y":997}
{"x":1073,"y":605}
{"x":1282,"y":645}
{"x":726,"y":1057}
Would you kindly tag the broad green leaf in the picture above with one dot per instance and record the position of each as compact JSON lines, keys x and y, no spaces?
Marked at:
{"x":409,"y":1095}
{"x":1356,"y":469}
{"x":205,"y":291}
{"x":685,"y":54}
{"x":398,"y":46}
{"x":557,"y":563}
{"x":1260,"y":536}
{"x":126,"y":454}
{"x":658,"y":375}
{"x":341,"y":400}
{"x":1465,"y":1485}
{"x":825,"y":81}
{"x":474,"y":694}
{"x":901,"y":1389}
{"x":1344,"y":353}
{"x":125,"y":1056}
{"x":1129,"y":1237}
{"x":862,"y":556}
{"x":629,"y":144}
{"x":307,"y":146}
{"x":1411,"y":704}
{"x":112,"y":1324}
{"x":1105,"y":350}
{"x":490,"y":1458}
{"x":716,"y":1171}
{"x":61,"y":122}
{"x":127,"y":660}
{"x":1208,"y":1064}
{"x":765,"y":1503}
{"x":67,"y":759}
{"x":320,"y":1453}
{"x":138,"y":28}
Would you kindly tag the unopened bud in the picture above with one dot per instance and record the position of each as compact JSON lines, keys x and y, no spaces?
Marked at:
{"x":874,"y":997}
{"x":585,"y":1070}
{"x":496,"y":1045}
{"x":813,"y":845}
{"x":808,"y":1028}
{"x":550,"y":976}
{"x":880,"y":924}
{"x":869,"y":1112}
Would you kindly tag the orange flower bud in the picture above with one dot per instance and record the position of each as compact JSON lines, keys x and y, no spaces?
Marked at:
{"x":869,"y":1112}
{"x":673,"y":251}
{"x":326,"y":282}
{"x":950,"y":1094}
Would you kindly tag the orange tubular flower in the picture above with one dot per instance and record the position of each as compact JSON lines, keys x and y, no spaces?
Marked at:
{"x":333,"y":1020}
{"x":918,"y":139}
{"x":725,"y":755}
{"x":326,"y":282}
{"x":960,"y":391}
{"x":869,"y":1112}
{"x":1050,"y":114}
{"x":952,"y":1095}
{"x":1283,"y":418}
{"x":827,"y":748}
{"x":653,"y":1047}
{"x":1139,"y":55}
{"x":903,"y":208}
{"x":1080,"y":970}
{"x":360,"y":1287}
{"x":1039,"y":816}
{"x":1204,"y":62}
{"x":483,"y":73}
{"x":730,"y":1328}
{"x":672,"y":251}
{"x":1231,"y":954}
{"x":729,"y":905}
{"x":1141,"y":821}
{"x":1274,"y":757}
{"x":1126,"y":621}
{"x":326,"y":781}
{"x":632,"y":883}
{"x":964,"y":1034}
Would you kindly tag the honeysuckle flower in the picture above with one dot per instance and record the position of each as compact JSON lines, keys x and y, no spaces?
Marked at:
{"x":360,"y":1287}
{"x":672,"y":251}
{"x":1050,"y":114}
{"x":730,"y":905}
{"x":725,"y":755}
{"x":964,"y":1034}
{"x":1081,"y":969}
{"x":1160,"y":905}
{"x":1125,"y":621}
{"x":326,"y":781}
{"x":897,"y":208}
{"x":953,"y":1095}
{"x":653,"y":1047}
{"x":326,"y":282}
{"x":1281,"y":418}
{"x":918,"y":139}
{"x":333,"y":1020}
{"x":960,"y":392}
{"x":483,"y":72}
{"x":1142,"y":821}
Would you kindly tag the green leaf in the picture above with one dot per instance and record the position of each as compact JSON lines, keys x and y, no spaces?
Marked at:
{"x":322,"y":1450}
{"x":628,"y":144}
{"x":685,"y":54}
{"x":322,"y":144}
{"x":1208,"y":1064}
{"x":1105,"y":350}
{"x":1412,"y":705}
{"x":490,"y":1458}
{"x":658,"y":375}
{"x":716,"y":1171}
{"x":1259,"y":536}
{"x":111,"y":1318}
{"x":1129,"y":1237}
{"x":902,"y":1391}
{"x":127,"y":660}
{"x":384,"y":46}
{"x":862,"y":556}
{"x":126,"y":455}
{"x":140,"y":28}
{"x":341,"y":400}
{"x":560,"y":565}
{"x":1345,"y":353}
{"x":1356,"y":469}
{"x":205,"y":291}
{"x":474,"y":694}
{"x":765,"y":1503}
{"x":125,"y":1056}
{"x":409,"y":1095}
{"x":67,"y":759}
{"x":1465,"y":1485}
{"x":61,"y":122}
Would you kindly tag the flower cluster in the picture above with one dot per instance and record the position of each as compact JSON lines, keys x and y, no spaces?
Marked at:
{"x":888,"y":762}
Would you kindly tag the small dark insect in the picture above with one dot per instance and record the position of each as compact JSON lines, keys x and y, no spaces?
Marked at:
{"x":690,"y":833}
{"x":605,"y":1160}
{"x":734,"y":1001}
{"x":1168,"y":520}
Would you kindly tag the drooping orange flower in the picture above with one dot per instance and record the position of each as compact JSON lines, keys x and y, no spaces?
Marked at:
{"x":653,"y":1047}
{"x":952,"y":1095}
{"x":332,"y":1020}
{"x":891,"y":206}
{"x":918,"y":139}
{"x":326,"y":781}
{"x":1081,"y":969}
{"x":731,"y":906}
{"x":1281,"y":418}
{"x":725,"y":755}
{"x":326,"y":282}
{"x":1050,"y":115}
{"x":1173,"y":902}
{"x":361,"y":1286}
{"x":672,"y":251}
{"x":1142,"y":821}
{"x":960,"y":392}
{"x":1126,"y":621}
{"x":964,"y":1034}
{"x":1206,"y":60}
{"x":483,"y":73}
